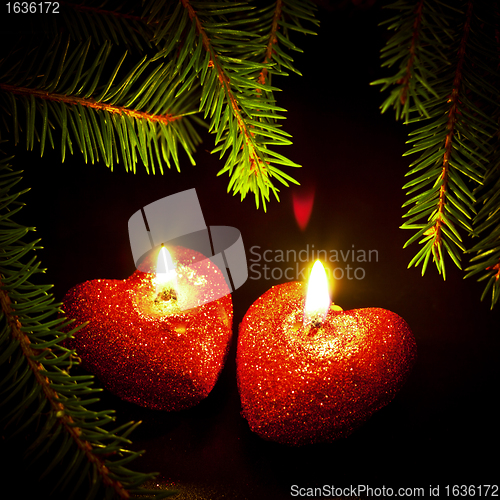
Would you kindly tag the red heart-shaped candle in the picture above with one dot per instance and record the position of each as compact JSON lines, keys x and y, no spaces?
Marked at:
{"x":149,"y":351}
{"x":300,"y":386}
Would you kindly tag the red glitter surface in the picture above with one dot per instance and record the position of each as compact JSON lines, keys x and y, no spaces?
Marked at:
{"x":300,"y":387}
{"x":148,"y":353}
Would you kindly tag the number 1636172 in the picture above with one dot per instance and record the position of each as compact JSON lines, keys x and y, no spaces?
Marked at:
{"x":32,"y":7}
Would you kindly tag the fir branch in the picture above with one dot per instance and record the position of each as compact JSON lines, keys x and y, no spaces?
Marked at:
{"x":274,"y":22}
{"x":440,"y":219}
{"x":485,"y":262}
{"x":444,"y":80}
{"x":232,"y":95}
{"x":420,"y":45}
{"x":53,"y":398}
{"x":139,"y":117}
{"x":272,"y":41}
{"x":277,"y":22}
{"x":252,"y":172}
{"x":440,"y":143}
{"x":37,"y":385}
{"x":166,"y":119}
{"x":405,"y":80}
{"x":220,"y":45}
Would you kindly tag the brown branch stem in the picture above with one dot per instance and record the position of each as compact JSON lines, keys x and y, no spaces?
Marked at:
{"x":225,"y":82}
{"x":497,"y":268}
{"x":273,"y":40}
{"x":89,"y":103}
{"x":52,"y":396}
{"x":405,"y":81}
{"x":454,"y":100}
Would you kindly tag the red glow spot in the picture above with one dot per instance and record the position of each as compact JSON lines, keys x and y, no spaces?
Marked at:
{"x":303,"y":202}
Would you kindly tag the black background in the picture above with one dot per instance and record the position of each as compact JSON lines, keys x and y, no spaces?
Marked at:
{"x":442,"y":428}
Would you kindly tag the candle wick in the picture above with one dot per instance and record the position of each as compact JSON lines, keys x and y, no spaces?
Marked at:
{"x":166,"y":294}
{"x":314,"y":321}
{"x":313,"y":329}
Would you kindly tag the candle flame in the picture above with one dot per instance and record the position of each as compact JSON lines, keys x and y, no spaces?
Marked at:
{"x":166,"y":277}
{"x":317,"y":298}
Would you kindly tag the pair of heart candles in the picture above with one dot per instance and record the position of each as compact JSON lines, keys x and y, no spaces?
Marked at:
{"x":307,"y":370}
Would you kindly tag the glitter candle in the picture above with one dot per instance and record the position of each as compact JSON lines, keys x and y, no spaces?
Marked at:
{"x":310,"y":372}
{"x":156,"y":339}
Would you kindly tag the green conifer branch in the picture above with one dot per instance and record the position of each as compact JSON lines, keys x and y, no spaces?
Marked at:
{"x":485,"y":262}
{"x":137,"y":120}
{"x":447,"y":83}
{"x":43,"y":384}
{"x":225,"y":48}
{"x":405,"y":80}
{"x":272,"y":41}
{"x":250,"y":162}
{"x":218,"y":73}
{"x":276,"y":23}
{"x":75,"y":90}
{"x":435,"y":234}
{"x":40,"y":395}
{"x":200,"y":47}
{"x":414,"y":47}
{"x":166,"y":119}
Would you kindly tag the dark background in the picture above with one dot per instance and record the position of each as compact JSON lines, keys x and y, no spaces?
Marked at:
{"x":442,"y":428}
